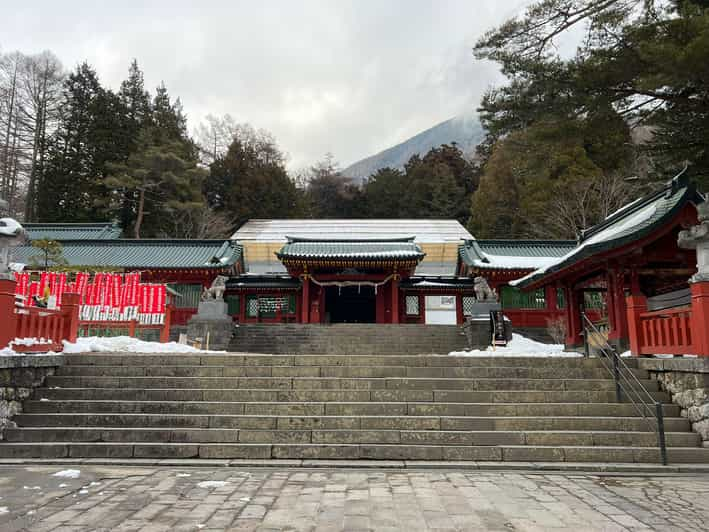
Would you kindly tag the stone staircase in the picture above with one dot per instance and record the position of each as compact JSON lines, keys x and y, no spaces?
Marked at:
{"x":347,"y":339}
{"x":416,"y":407}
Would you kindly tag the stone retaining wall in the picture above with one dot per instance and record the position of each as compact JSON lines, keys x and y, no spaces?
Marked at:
{"x":687,"y":381}
{"x":19,"y":375}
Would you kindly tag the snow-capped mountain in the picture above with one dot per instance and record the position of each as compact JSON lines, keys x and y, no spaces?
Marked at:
{"x":465,"y":130}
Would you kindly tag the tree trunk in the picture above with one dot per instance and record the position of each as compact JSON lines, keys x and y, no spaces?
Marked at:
{"x":11,"y":108}
{"x":139,"y":217}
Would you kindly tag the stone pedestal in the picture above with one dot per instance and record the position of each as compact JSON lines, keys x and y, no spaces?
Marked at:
{"x":212,"y":320}
{"x":478,"y":325}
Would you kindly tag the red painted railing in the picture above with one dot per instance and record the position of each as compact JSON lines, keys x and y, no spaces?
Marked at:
{"x":666,"y":332}
{"x":133,"y":327}
{"x":675,"y":331}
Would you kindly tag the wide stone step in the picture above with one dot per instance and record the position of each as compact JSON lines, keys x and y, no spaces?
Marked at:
{"x":325,"y":383}
{"x":348,"y":436}
{"x":465,"y":423}
{"x":236,"y":359}
{"x":340,"y":371}
{"x":318,"y":409}
{"x":356,"y":396}
{"x":521,"y":453}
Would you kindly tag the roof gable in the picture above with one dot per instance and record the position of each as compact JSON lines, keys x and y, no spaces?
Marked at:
{"x":633,"y":222}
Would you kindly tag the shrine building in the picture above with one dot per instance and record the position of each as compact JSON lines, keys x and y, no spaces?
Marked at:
{"x":633,"y":254}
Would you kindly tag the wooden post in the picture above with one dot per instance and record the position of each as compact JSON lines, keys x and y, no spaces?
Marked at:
{"x":573,"y":318}
{"x":306,"y":300}
{"x":395,"y":299}
{"x":71,"y":304}
{"x":550,"y":298}
{"x":8,"y":317}
{"x":131,"y":328}
{"x":636,"y":305}
{"x":700,"y":317}
{"x":165,"y":331}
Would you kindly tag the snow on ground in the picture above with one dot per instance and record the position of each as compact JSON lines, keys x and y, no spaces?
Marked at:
{"x":520,"y":346}
{"x":212,"y":484}
{"x":125,"y":344}
{"x":67,"y":473}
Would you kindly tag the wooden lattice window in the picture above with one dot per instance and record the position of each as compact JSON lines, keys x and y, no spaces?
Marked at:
{"x":468,"y":304}
{"x":412,"y":305}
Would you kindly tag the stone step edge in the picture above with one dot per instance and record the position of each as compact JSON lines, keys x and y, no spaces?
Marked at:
{"x":604,"y":469}
{"x":565,"y":432}
{"x":261,"y":416}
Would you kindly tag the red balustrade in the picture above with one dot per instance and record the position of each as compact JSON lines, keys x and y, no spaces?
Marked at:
{"x":54,"y":326}
{"x":675,"y":331}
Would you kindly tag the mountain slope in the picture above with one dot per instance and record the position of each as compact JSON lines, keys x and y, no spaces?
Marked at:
{"x":465,"y":130}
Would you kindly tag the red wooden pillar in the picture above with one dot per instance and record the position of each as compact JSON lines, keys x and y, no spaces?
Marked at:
{"x":306,"y":300}
{"x":610,"y":305}
{"x":550,"y":298}
{"x":8,"y":317}
{"x":395,"y":299}
{"x":700,"y":317}
{"x":573,"y":318}
{"x":165,"y":332}
{"x":636,"y":305}
{"x":619,"y":329}
{"x":70,"y":311}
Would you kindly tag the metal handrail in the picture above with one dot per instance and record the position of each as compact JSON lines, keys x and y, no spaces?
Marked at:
{"x":631,"y":386}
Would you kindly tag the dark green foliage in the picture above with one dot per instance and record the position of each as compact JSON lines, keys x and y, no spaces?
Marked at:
{"x":437,"y":185}
{"x":49,"y":253}
{"x":250,"y":181}
{"x":644,"y":61}
{"x":92,"y":133}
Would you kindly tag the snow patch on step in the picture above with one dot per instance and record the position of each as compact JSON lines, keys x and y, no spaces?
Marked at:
{"x":520,"y":346}
{"x":126,"y":344}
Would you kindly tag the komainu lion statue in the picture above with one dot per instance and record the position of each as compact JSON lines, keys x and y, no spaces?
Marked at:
{"x":216,"y":291}
{"x":483,"y":292}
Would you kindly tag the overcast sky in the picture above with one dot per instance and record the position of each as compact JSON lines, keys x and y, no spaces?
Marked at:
{"x":346,"y":77}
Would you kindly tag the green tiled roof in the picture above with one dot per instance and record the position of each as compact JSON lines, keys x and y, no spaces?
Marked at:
{"x":146,"y":254}
{"x":633,"y":222}
{"x":512,"y":254}
{"x":388,"y":249}
{"x":79,"y":231}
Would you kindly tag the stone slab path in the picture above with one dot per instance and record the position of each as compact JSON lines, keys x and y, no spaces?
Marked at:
{"x":122,"y":498}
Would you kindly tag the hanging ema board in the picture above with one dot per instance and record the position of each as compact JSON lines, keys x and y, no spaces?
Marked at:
{"x":441,"y":310}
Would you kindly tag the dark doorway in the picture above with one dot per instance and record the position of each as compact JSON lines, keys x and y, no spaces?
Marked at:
{"x":351,"y":304}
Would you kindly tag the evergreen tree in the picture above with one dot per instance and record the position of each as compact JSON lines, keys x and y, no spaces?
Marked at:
{"x":644,"y":60}
{"x":384,"y":194}
{"x":163,"y":177}
{"x":91,"y":134}
{"x":250,"y":181}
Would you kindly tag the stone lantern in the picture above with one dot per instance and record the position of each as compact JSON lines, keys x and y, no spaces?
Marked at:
{"x":697,"y":237}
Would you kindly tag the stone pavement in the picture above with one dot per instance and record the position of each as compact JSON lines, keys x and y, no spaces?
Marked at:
{"x":279,"y":499}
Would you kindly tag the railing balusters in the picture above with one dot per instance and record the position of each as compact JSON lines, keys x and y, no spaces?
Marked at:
{"x":633,"y":389}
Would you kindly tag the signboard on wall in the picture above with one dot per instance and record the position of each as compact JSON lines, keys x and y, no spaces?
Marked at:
{"x":441,"y":310}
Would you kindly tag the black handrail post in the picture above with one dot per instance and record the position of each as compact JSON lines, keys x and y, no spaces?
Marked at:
{"x":616,"y":376}
{"x":661,"y":432}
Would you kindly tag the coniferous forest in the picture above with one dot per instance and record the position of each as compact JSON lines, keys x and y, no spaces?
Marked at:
{"x":569,"y":138}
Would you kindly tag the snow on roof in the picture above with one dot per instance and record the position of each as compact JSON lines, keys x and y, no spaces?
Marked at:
{"x":632,"y":222}
{"x":424,"y":231}
{"x":637,"y":219}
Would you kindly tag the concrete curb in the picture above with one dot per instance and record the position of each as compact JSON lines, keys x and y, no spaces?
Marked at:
{"x":527,"y":467}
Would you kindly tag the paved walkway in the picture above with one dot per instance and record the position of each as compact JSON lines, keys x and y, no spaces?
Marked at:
{"x":177,"y":499}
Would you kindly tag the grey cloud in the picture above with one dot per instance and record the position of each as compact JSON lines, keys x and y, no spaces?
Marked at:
{"x":347,"y":77}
